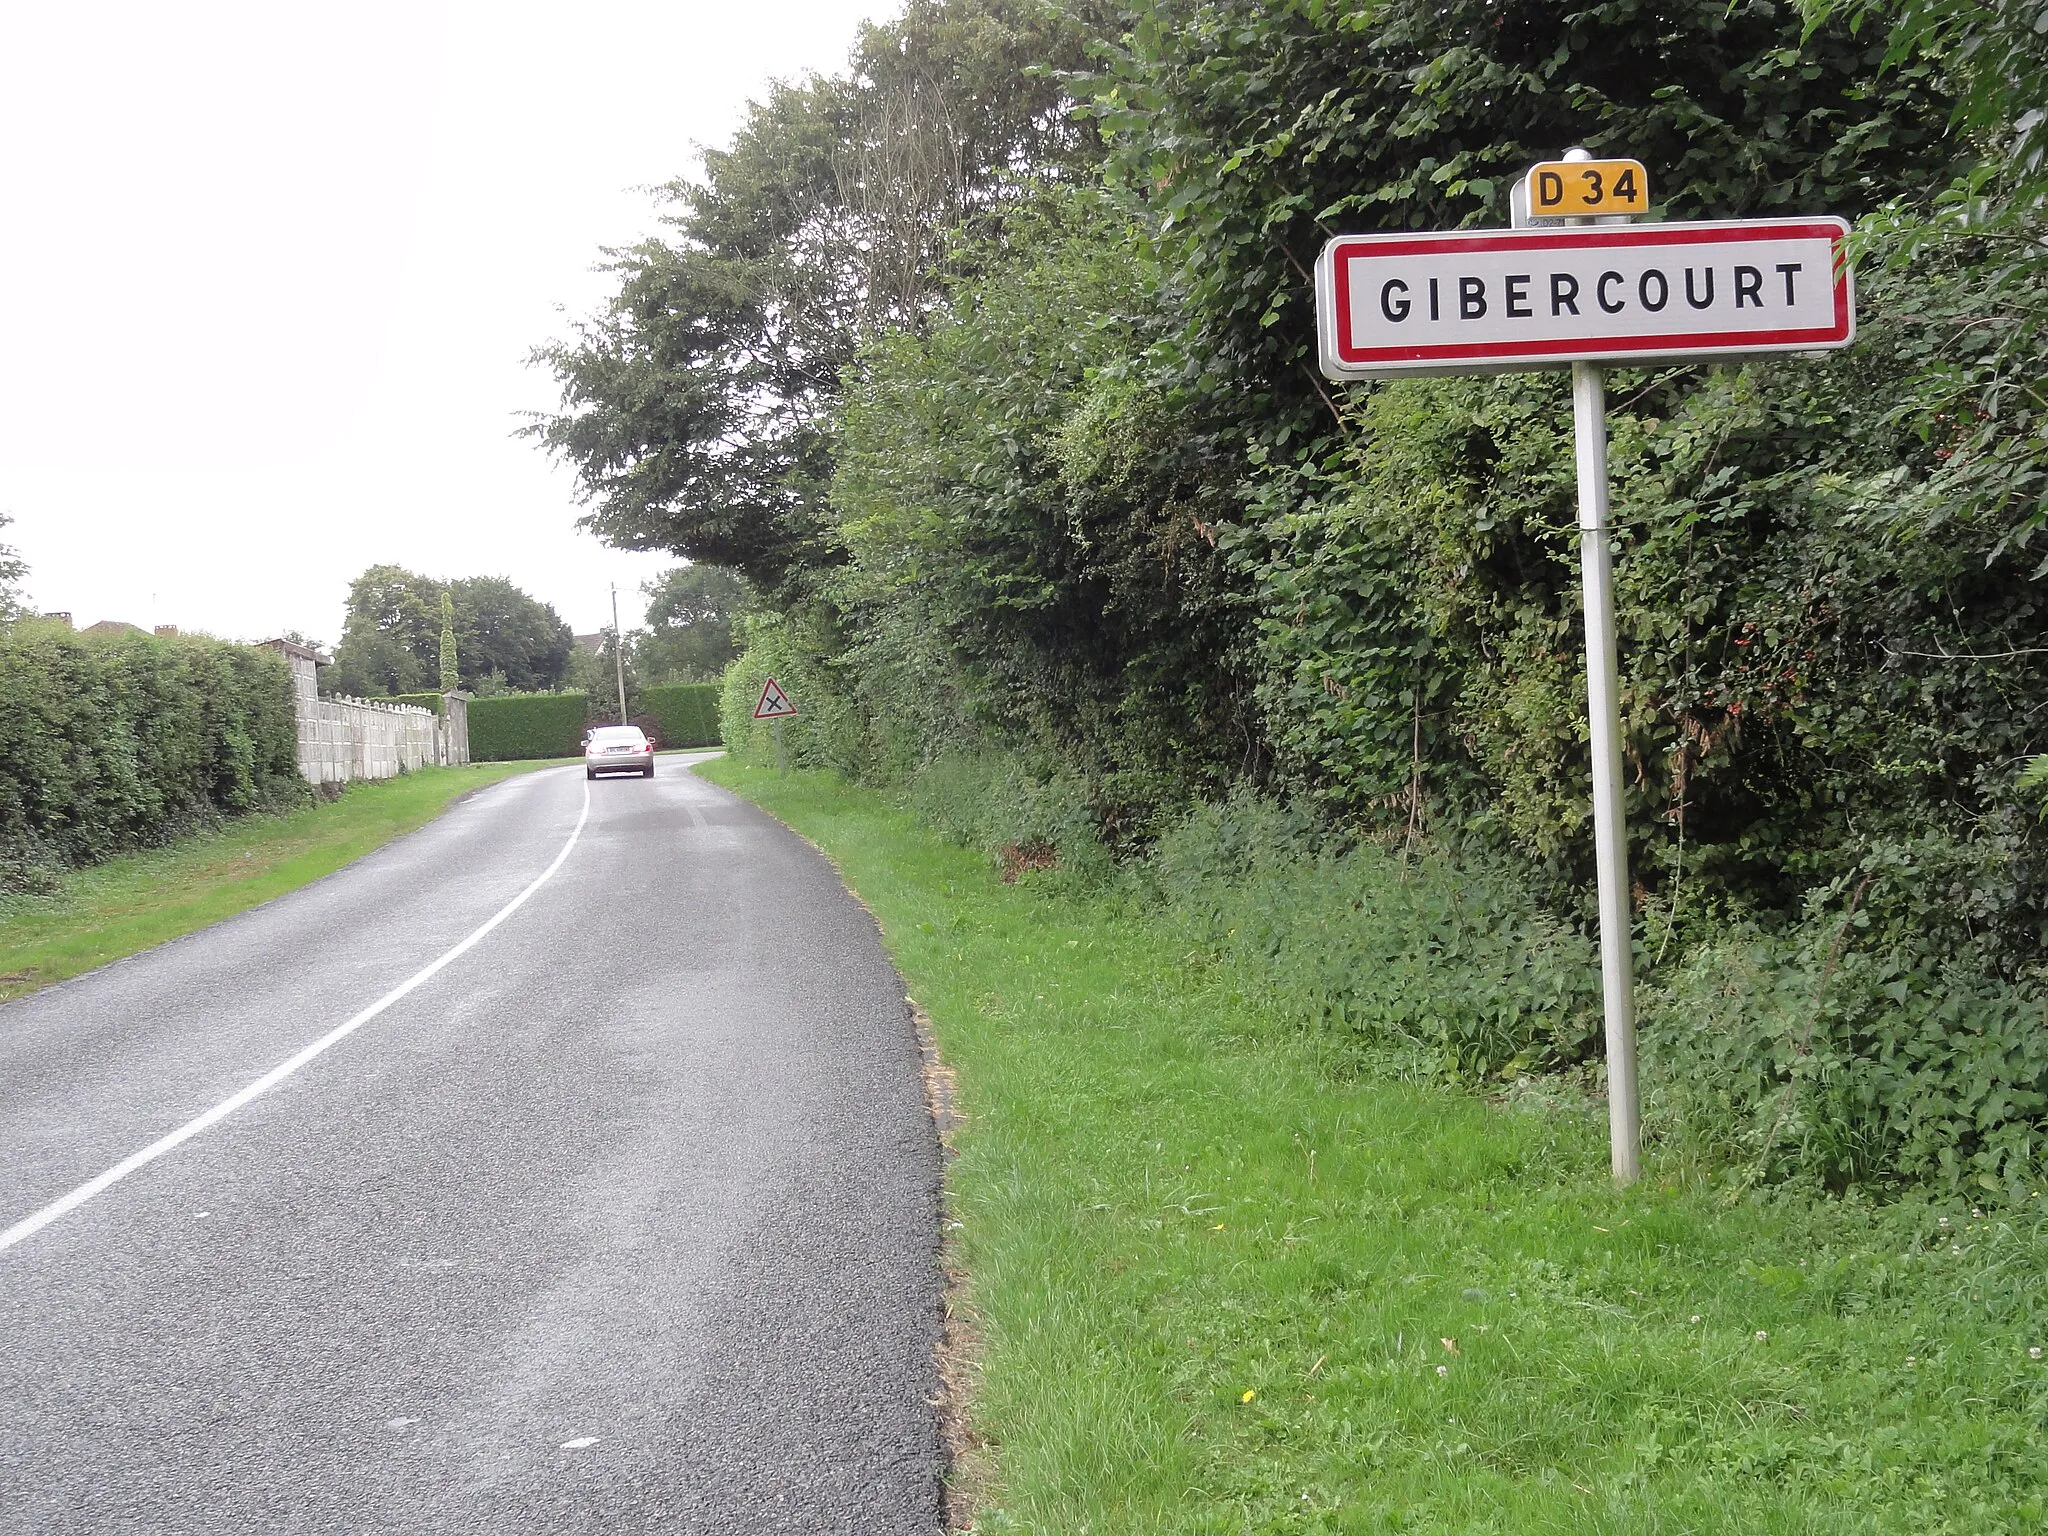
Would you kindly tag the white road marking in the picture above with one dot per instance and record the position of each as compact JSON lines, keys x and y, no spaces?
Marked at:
{"x":29,"y":1225}
{"x":581,"y":1443}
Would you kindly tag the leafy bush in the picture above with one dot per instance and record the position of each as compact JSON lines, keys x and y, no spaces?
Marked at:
{"x":1023,"y":820}
{"x":1827,"y":614}
{"x":515,"y":727}
{"x":431,"y":701}
{"x":124,"y":742}
{"x":1382,"y":947}
{"x":684,"y":714}
{"x":1802,"y":1054}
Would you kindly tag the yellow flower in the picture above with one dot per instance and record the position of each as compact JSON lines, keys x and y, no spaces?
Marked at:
{"x":1248,"y":1396}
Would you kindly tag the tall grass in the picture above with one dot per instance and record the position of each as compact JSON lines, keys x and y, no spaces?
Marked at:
{"x":1830,"y":1052}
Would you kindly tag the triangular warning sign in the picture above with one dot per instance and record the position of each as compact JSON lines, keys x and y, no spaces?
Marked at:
{"x":775,"y":704}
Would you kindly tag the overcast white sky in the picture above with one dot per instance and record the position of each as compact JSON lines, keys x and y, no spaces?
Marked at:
{"x":269,"y":272}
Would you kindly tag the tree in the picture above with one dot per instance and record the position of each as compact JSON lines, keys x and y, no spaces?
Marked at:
{"x":388,"y":633}
{"x":696,"y":405}
{"x":451,"y":676}
{"x":597,"y":674}
{"x":499,"y":628}
{"x":1254,"y":132}
{"x":391,"y":638}
{"x":13,"y":569}
{"x":691,"y":619}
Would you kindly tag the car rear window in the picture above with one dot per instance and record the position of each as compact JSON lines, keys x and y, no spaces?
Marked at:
{"x":618,"y":733}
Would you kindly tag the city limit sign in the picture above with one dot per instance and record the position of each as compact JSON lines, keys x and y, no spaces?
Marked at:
{"x":1495,"y":300}
{"x":1589,"y":293}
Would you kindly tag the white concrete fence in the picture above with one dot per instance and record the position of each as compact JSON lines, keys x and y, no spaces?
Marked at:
{"x":343,"y":738}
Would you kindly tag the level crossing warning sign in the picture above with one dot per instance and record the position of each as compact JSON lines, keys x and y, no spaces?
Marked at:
{"x":775,"y":704}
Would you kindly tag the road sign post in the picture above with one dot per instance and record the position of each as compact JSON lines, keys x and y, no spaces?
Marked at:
{"x":1603,"y":717}
{"x":775,"y":706}
{"x":1589,"y":290}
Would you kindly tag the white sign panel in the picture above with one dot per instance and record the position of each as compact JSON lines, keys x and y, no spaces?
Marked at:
{"x":774,"y":704}
{"x":1495,"y":300}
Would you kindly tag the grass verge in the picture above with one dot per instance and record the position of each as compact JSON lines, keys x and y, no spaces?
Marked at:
{"x":131,"y":903}
{"x":1223,"y":1289}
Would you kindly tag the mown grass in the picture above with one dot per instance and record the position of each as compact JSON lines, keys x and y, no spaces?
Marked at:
{"x":131,"y":903}
{"x":1223,"y":1288}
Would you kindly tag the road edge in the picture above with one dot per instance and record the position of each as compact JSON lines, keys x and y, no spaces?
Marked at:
{"x":968,"y":1474}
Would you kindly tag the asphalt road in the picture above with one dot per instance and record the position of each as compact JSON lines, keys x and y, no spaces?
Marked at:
{"x":624,"y":1220}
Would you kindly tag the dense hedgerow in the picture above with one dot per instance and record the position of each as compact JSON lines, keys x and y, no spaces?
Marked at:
{"x":110,"y":744}
{"x":682,"y":714}
{"x":512,"y":727}
{"x":516,"y":727}
{"x":827,"y":731}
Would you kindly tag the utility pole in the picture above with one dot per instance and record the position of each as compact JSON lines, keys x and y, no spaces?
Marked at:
{"x":619,"y":652}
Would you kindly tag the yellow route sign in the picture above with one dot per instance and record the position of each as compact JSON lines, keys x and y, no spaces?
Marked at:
{"x":1573,"y":189}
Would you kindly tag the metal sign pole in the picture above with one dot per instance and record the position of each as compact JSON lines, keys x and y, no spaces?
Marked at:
{"x":1610,"y":835}
{"x":778,"y":744}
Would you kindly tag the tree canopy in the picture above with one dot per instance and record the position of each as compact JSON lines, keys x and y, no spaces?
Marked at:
{"x":391,"y":639}
{"x":693,"y":615}
{"x":697,"y":404}
{"x":13,"y":569}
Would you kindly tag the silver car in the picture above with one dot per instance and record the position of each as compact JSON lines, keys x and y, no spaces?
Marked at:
{"x":618,"y":749}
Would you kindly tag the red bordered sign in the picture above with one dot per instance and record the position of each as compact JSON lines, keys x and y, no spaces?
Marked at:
{"x":774,"y":704}
{"x":1497,"y":300}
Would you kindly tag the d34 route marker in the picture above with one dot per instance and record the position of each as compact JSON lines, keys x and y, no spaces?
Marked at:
{"x":1558,"y":189}
{"x":1593,"y":292}
{"x":775,"y":706}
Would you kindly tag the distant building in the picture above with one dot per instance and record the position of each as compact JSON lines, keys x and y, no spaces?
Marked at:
{"x":59,"y":617}
{"x":590,"y":645}
{"x":109,"y":629}
{"x":167,"y":631}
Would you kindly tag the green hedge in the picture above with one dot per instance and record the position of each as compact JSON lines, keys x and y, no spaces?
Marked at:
{"x":684,"y":714}
{"x":431,"y":701}
{"x":516,"y":727}
{"x":509,"y":727}
{"x":122,"y":742}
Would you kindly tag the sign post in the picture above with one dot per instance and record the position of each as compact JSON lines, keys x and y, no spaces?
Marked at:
{"x":1603,"y":717}
{"x":775,"y":706}
{"x":1591,"y":289}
